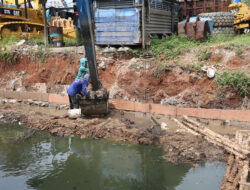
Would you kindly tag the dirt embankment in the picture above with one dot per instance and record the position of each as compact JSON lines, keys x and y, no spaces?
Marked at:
{"x":179,"y":145}
{"x":178,"y":82}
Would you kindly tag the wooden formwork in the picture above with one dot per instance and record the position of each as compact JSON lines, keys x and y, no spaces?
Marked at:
{"x":238,"y":147}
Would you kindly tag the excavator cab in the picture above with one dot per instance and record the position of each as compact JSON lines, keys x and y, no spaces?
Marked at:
{"x":96,"y":102}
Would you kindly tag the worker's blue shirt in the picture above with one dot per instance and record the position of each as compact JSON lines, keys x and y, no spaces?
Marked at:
{"x":78,"y":86}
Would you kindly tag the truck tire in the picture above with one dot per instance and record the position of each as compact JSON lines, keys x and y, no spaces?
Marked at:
{"x":224,"y":30}
{"x":219,"y":18}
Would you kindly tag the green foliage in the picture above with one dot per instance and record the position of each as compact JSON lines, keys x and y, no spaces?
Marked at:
{"x":229,"y":40}
{"x":160,"y":67}
{"x":8,"y":57}
{"x":245,"y":1}
{"x":239,"y":52}
{"x":172,"y":46}
{"x":36,"y":40}
{"x":9,"y":40}
{"x":239,"y":81}
{"x":71,"y":42}
{"x":38,"y":55}
{"x":205,"y":55}
{"x":136,"y":52}
{"x":197,"y":66}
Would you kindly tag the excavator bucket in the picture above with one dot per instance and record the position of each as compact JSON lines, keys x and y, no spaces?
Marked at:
{"x":197,"y":30}
{"x":95,"y":103}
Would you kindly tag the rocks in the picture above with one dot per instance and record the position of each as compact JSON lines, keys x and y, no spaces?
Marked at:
{"x":170,"y":101}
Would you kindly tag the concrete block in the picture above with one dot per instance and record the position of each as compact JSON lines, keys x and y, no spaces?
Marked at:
{"x":44,"y":97}
{"x":162,"y":109}
{"x":57,"y":98}
{"x":240,"y":115}
{"x":2,"y":93}
{"x":141,"y":107}
{"x":122,"y":104}
{"x":24,"y":95}
{"x":11,"y":94}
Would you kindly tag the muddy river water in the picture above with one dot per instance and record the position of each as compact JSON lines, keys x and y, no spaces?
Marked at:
{"x":38,"y":160}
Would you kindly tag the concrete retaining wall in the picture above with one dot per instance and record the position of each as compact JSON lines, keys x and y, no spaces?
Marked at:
{"x":240,"y":115}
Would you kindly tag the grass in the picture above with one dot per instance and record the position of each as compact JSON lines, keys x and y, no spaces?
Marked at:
{"x":239,"y":52}
{"x":70,"y":42}
{"x":205,"y":55}
{"x":239,"y":81}
{"x":36,"y":40}
{"x":172,"y":47}
{"x":9,"y":57}
{"x":197,"y":66}
{"x":9,"y":40}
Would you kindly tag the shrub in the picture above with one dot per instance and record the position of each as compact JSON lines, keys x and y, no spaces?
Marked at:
{"x":239,"y":81}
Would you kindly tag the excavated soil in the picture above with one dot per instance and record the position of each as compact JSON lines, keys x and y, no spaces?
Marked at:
{"x":139,"y":79}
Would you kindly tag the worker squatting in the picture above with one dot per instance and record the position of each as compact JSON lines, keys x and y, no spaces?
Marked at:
{"x":79,"y":86}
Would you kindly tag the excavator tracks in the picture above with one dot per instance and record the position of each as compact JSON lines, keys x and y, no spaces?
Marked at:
{"x":20,"y":29}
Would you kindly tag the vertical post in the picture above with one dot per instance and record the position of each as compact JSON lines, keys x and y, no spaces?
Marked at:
{"x":172,"y":16}
{"x":204,"y":6}
{"x":16,"y":2}
{"x":45,"y":23}
{"x":25,"y":8}
{"x":214,"y":6}
{"x":143,"y":24}
{"x":195,"y":8}
{"x":185,"y":8}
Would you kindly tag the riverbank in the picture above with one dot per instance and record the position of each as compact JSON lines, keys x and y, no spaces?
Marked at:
{"x":138,"y":128}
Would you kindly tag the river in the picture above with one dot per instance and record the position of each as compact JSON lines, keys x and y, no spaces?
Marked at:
{"x":40,"y":161}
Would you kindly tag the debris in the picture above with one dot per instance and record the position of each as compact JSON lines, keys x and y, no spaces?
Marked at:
{"x":123,"y":49}
{"x":210,"y":71}
{"x":20,"y":43}
{"x":163,"y":126}
{"x":74,"y":113}
{"x":109,"y":50}
{"x":102,"y":65}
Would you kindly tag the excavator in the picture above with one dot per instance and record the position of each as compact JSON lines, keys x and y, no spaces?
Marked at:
{"x":96,"y":102}
{"x":241,"y":16}
{"x":21,"y":22}
{"x":24,"y":19}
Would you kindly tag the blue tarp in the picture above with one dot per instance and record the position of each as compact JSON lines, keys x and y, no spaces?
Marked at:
{"x":117,"y":26}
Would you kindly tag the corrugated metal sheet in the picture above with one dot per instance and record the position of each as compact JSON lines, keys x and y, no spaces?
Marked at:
{"x":117,"y":26}
{"x":159,"y":17}
{"x":120,"y":21}
{"x":107,"y":4}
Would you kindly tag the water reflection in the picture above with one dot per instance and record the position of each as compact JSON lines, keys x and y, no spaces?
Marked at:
{"x":47,"y":162}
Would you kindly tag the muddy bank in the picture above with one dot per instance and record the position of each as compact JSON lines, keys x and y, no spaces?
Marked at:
{"x":177,"y":82}
{"x":179,"y":145}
